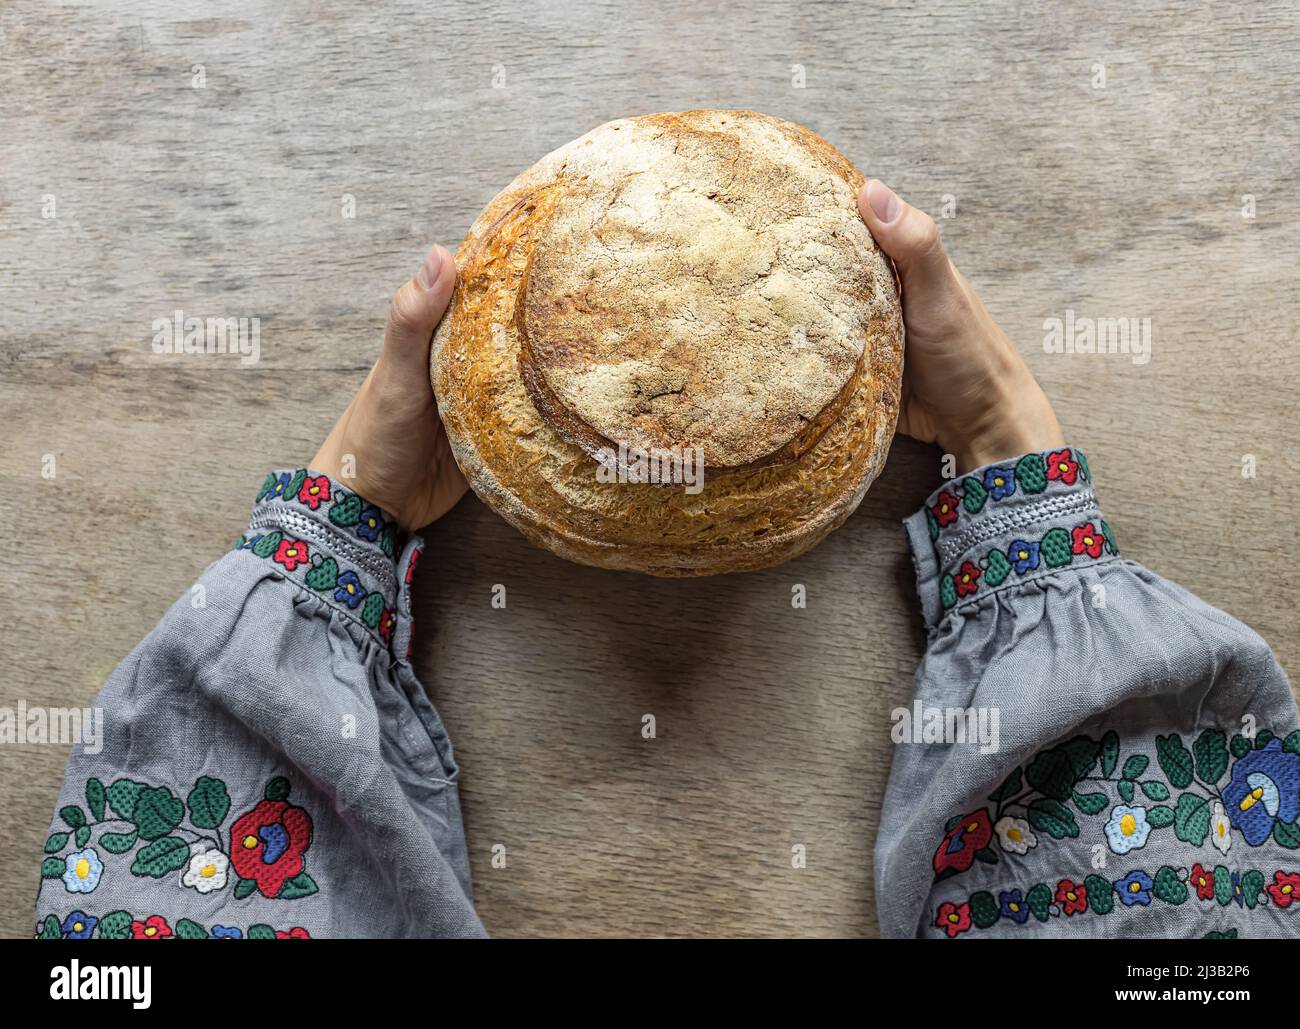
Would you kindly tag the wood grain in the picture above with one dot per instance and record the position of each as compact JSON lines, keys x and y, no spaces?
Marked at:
{"x":772,"y":722}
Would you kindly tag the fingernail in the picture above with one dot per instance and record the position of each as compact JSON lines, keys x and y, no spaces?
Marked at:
{"x":884,"y":201}
{"x":432,"y":265}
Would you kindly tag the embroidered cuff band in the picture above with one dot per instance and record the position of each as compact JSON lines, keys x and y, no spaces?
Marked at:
{"x":1004,"y":524}
{"x":327,"y":538}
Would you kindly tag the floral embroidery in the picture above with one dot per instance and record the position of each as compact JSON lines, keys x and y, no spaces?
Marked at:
{"x":1072,"y":896}
{"x":945,"y":508}
{"x":1011,"y":905}
{"x":1023,"y":555}
{"x":1283,"y":888}
{"x":147,"y":822}
{"x":1015,"y":836}
{"x":122,"y":925}
{"x":1203,"y":881}
{"x":1135,"y":888}
{"x":1061,"y":466}
{"x":1086,"y":540}
{"x":1127,"y":829}
{"x":1030,"y":475}
{"x":953,"y":918}
{"x":313,"y":490}
{"x":1000,"y":482}
{"x":371,"y":524}
{"x":967,"y":579}
{"x":349,"y":590}
{"x":290,"y":553}
{"x":1264,"y":791}
{"x":967,"y":838}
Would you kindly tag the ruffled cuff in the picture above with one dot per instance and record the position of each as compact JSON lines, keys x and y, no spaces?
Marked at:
{"x":343,"y":549}
{"x":1005,"y":524}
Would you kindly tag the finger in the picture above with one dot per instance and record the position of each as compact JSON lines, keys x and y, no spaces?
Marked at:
{"x":416,"y":309}
{"x":911,"y":238}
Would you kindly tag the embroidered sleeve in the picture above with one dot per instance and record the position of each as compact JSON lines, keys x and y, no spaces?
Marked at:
{"x":270,"y":765}
{"x":1090,"y":750}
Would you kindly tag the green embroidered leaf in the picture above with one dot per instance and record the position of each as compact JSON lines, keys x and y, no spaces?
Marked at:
{"x":1031,"y":473}
{"x":1135,"y":766}
{"x":244,"y":887}
{"x":1168,"y":887}
{"x":189,"y":930}
{"x":157,"y":812}
{"x":295,"y":484}
{"x":1109,"y":753}
{"x":947,"y":591}
{"x":951,"y":824}
{"x":116,"y":925}
{"x":386,"y":541}
{"x":1215,"y":934}
{"x":117,"y":842}
{"x":267,"y":545}
{"x":347,"y":511}
{"x":996,"y":568}
{"x":301,"y":885}
{"x":1252,"y":885}
{"x":122,"y":797}
{"x":1292,"y":742}
{"x":95,"y":798}
{"x":1051,"y":773}
{"x":973,"y":494}
{"x":983,"y":909}
{"x":1125,"y":789}
{"x":1211,"y":752}
{"x":1090,"y":803}
{"x":51,"y":929}
{"x":988,"y":855}
{"x":1175,"y":760}
{"x":373,"y":609}
{"x":1083,"y":464}
{"x":1055,"y":548}
{"x":53,"y":868}
{"x":261,"y":932}
{"x":1222,"y":885}
{"x":160,"y":857}
{"x":1109,"y":534}
{"x":1039,"y":899}
{"x":73,"y":816}
{"x":209,"y":802}
{"x":1009,"y":788}
{"x":268,"y":484}
{"x":324,"y":576}
{"x":1053,"y":818}
{"x":277,"y":788}
{"x":83,"y":836}
{"x":1160,"y":816}
{"x":1287,"y":835}
{"x":1192,"y":819}
{"x":1262,"y":739}
{"x":55,"y":842}
{"x":1155,"y":790}
{"x":1240,"y":746}
{"x":1082,"y":752}
{"x":1101,"y":894}
{"x":931,"y":522}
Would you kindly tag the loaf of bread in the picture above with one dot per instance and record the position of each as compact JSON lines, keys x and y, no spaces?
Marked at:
{"x":671,"y":298}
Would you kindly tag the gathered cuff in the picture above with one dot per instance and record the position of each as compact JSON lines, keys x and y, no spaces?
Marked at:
{"x":1005,"y":524}
{"x":318,"y":533}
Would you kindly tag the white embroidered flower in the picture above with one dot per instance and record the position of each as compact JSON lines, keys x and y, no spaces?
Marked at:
{"x":1127,"y":829}
{"x":1220,"y":828}
{"x":1015,"y":835}
{"x":207,"y":871}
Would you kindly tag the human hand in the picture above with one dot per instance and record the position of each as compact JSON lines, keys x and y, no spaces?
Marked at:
{"x":965,"y":386}
{"x":401,"y":457}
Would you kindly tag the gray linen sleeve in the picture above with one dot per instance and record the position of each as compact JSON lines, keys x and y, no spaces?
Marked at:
{"x":270,"y":764}
{"x":1091,"y":750}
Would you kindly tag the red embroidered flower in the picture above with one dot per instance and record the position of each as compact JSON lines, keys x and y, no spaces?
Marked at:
{"x":945,"y":508}
{"x":386,"y":624}
{"x":410,"y":568}
{"x":1062,"y":465}
{"x":967,"y":579}
{"x":1073,"y":897}
{"x":1087,"y":540}
{"x":314,"y":490}
{"x":154,"y":927}
{"x":268,"y":843}
{"x":957,"y":851}
{"x":291,"y":553}
{"x":293,"y":934}
{"x":953,"y":918}
{"x":1203,"y":879}
{"x":1284,"y":888}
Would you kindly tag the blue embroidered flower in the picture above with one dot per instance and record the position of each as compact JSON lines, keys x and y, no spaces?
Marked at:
{"x":79,"y":926}
{"x":1000,"y":482}
{"x":1135,"y":888}
{"x":222,"y":932}
{"x":81,"y":871}
{"x":371,"y":524}
{"x":1127,"y":829}
{"x":1013,"y":906}
{"x":281,"y":484}
{"x":349,"y":590}
{"x":1265,"y":786}
{"x":1023,"y":555}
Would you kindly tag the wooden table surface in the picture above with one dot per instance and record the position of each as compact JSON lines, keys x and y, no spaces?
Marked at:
{"x":1122,"y":200}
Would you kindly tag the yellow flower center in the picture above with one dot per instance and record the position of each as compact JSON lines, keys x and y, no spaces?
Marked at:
{"x":83,"y":869}
{"x":1252,"y":798}
{"x":371,"y":522}
{"x":291,"y":552}
{"x":208,"y":871}
{"x":1013,"y":907}
{"x":314,"y":490}
{"x":953,"y":918}
{"x":1015,"y":835}
{"x":1221,"y":830}
{"x":78,"y":926}
{"x":250,"y":842}
{"x":1071,"y":896}
{"x":1286,"y":889}
{"x":351,"y":588}
{"x":1135,"y":887}
{"x":151,"y":931}
{"x":1063,"y":467}
{"x":1087,"y":541}
{"x":972,"y":827}
{"x":1024,"y":554}
{"x":1128,"y":825}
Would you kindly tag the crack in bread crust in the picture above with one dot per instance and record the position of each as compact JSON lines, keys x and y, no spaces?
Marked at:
{"x":604,"y":297}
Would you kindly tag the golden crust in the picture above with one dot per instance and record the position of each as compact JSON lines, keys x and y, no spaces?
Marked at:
{"x":531,"y":364}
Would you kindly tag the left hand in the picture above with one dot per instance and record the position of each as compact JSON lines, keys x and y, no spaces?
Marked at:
{"x":400,"y":454}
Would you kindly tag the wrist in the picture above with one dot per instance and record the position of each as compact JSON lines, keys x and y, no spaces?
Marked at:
{"x":1018,"y":422}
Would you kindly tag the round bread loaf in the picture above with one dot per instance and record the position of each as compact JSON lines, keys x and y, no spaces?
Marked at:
{"x":673,"y":295}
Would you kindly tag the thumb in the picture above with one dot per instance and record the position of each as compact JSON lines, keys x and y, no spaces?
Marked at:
{"x":414,"y":313}
{"x":911,"y":238}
